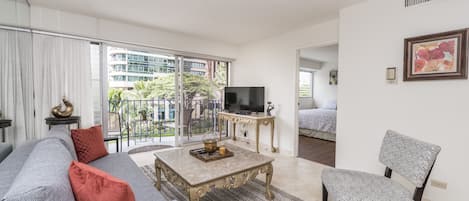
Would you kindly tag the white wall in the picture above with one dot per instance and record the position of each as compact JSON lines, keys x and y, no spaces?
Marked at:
{"x":371,"y":39}
{"x":323,"y":91}
{"x":72,"y":23}
{"x":272,"y":63}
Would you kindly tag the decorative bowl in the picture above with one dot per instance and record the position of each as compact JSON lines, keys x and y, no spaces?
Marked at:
{"x":210,"y":145}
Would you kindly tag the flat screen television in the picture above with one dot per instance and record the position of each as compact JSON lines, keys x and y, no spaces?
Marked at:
{"x":244,"y":99}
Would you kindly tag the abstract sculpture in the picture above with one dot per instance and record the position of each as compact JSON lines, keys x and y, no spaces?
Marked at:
{"x":59,"y":113}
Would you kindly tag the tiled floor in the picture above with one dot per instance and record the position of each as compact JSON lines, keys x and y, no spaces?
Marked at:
{"x":296,"y":176}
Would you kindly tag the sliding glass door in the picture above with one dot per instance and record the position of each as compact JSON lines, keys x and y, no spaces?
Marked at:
{"x":141,"y":99}
{"x":203,"y":82}
{"x":157,"y":98}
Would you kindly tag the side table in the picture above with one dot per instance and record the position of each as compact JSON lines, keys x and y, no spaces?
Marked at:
{"x":52,"y":121}
{"x":4,"y":123}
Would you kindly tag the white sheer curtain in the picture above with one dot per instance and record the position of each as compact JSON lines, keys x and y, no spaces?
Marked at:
{"x":62,"y":67}
{"x":16,"y":85}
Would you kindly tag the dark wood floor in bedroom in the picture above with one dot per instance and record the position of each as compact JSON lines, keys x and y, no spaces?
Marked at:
{"x":313,"y":149}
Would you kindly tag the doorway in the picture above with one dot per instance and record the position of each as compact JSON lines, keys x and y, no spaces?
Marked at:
{"x":317,"y":103}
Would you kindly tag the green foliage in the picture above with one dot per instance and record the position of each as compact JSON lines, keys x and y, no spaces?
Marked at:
{"x":164,"y":88}
{"x":196,"y":85}
{"x":221,"y":75}
{"x":115,"y":99}
{"x":140,"y":91}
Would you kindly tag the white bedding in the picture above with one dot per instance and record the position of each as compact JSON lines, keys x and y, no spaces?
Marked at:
{"x":318,"y":119}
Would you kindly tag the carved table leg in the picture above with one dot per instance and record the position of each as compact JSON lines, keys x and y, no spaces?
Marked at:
{"x":193,"y":195}
{"x":234,"y":131}
{"x":257,"y":136}
{"x":158,"y":174}
{"x":269,"y":174}
{"x":272,"y":131}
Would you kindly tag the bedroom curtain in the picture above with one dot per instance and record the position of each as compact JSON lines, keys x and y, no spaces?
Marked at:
{"x":62,"y":68}
{"x":16,"y":85}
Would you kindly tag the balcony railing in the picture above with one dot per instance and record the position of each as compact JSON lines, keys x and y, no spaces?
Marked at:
{"x":142,"y":120}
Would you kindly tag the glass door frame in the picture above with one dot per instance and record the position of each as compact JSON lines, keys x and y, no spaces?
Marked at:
{"x":179,"y":133}
{"x":105,"y":82}
{"x":181,"y":96}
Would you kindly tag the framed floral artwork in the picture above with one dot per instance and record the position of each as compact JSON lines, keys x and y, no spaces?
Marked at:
{"x":437,"y":56}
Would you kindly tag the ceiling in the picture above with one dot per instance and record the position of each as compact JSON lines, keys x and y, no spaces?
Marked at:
{"x":328,"y":53}
{"x":230,"y":21}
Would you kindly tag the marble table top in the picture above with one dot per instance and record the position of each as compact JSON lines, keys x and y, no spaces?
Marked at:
{"x":195,"y":171}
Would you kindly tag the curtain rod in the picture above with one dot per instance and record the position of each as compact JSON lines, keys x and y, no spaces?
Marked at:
{"x":99,"y":40}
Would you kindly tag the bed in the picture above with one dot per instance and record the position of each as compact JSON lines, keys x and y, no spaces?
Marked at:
{"x":318,"y":123}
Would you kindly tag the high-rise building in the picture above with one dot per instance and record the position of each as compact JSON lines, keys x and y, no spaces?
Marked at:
{"x":125,"y":67}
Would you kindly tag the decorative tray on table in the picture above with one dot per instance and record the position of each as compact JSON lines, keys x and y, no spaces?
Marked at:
{"x":205,"y":156}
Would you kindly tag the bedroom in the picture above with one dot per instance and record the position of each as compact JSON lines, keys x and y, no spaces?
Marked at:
{"x":317,"y":114}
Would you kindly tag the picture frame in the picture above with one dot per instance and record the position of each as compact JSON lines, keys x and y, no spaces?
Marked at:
{"x":439,"y":56}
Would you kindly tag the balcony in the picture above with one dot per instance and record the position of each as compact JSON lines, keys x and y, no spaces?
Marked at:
{"x":147,"y":122}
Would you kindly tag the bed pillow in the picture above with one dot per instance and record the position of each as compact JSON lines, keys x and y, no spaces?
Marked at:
{"x":330,"y":105}
{"x":89,"y":144}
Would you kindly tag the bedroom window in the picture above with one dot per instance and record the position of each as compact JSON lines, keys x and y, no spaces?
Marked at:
{"x":306,"y":84}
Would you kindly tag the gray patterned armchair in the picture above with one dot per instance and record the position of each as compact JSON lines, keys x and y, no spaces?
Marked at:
{"x":411,"y":158}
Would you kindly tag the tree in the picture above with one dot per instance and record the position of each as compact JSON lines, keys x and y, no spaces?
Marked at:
{"x":139,"y":92}
{"x":164,"y":88}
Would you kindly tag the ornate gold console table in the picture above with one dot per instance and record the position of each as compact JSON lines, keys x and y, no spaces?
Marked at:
{"x":248,"y":119}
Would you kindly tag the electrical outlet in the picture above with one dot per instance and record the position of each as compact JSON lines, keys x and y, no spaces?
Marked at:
{"x":439,"y":184}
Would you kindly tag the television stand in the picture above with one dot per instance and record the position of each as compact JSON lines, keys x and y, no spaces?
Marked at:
{"x":256,"y":119}
{"x":244,"y":112}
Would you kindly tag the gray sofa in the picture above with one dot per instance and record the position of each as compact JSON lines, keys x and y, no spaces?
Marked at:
{"x":38,"y":170}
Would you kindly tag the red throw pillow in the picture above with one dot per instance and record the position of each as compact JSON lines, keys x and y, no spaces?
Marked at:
{"x":91,"y":184}
{"x":89,"y":144}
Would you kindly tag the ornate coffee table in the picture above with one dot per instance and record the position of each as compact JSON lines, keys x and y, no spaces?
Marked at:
{"x":197,"y":177}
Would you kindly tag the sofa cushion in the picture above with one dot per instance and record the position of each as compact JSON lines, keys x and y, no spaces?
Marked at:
{"x":89,"y":144}
{"x":122,"y":166}
{"x":44,"y":175}
{"x":62,"y":132}
{"x":11,"y":166}
{"x":91,"y":184}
